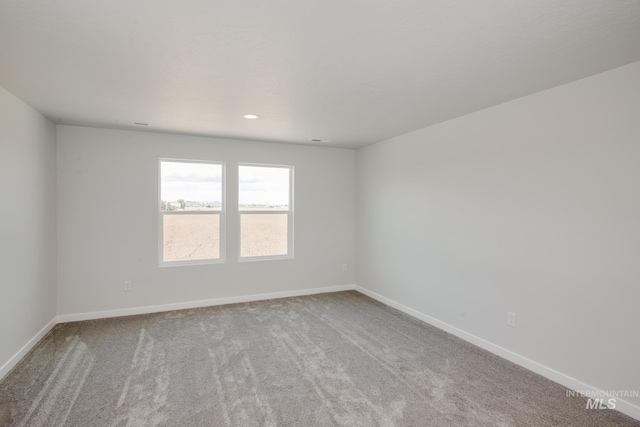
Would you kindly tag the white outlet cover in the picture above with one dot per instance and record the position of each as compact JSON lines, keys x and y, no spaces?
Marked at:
{"x":511,"y":319}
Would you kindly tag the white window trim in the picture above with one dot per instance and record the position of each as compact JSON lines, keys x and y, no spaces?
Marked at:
{"x":289,"y":212}
{"x":221,"y":212}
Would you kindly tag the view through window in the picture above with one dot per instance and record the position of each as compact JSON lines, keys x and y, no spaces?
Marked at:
{"x":265,"y":209}
{"x":191,"y":211}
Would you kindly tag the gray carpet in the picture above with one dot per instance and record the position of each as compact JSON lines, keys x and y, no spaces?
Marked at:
{"x":337,"y":359}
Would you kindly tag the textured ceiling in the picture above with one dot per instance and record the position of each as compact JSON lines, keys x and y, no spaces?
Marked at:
{"x":353,"y":72}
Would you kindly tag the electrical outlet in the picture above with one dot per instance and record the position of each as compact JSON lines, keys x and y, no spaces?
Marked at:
{"x":345,"y":267}
{"x":511,"y":319}
{"x":127,"y":285}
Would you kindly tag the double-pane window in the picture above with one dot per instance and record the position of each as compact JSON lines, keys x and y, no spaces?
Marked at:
{"x":191,"y":212}
{"x":265,"y":206}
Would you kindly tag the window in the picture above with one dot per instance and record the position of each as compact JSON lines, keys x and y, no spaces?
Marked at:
{"x":265,"y":206}
{"x":191,"y":212}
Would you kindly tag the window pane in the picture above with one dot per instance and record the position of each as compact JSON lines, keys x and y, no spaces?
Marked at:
{"x":263,"y":187}
{"x":263,"y":234}
{"x":190,"y":237}
{"x":190,"y":186}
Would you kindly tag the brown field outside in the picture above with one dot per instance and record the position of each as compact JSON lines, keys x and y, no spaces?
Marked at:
{"x":191,"y":237}
{"x":263,"y":234}
{"x":196,"y":237}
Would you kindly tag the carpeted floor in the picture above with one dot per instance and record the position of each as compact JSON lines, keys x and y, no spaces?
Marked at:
{"x":338,"y":359}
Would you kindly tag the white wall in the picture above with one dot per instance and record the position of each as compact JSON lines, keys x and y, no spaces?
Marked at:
{"x":27,"y":226}
{"x":108,"y":221}
{"x":532,"y":206}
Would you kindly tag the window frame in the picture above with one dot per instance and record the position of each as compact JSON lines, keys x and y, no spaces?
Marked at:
{"x":222,"y":214}
{"x":289,"y":212}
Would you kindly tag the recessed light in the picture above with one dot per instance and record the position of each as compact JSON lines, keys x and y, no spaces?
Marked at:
{"x":141,"y":124}
{"x":251,"y":116}
{"x":319,"y":140}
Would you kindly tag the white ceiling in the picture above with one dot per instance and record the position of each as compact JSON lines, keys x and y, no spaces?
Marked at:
{"x":353,"y":72}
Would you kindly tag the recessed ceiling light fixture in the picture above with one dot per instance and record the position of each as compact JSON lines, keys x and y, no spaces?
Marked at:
{"x":141,"y":124}
{"x":319,"y":140}
{"x":251,"y":116}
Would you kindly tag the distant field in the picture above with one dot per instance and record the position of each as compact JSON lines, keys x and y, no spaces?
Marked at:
{"x":196,"y":237}
{"x":191,"y":237}
{"x":263,"y":235}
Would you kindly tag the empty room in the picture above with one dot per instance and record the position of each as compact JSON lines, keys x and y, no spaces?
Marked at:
{"x":330,"y":213}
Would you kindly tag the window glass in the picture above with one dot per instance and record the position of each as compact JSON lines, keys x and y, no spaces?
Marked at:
{"x":191,"y":212}
{"x":263,"y":187}
{"x":264,"y":206}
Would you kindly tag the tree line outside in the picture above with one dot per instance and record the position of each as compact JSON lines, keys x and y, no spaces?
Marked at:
{"x":182,"y":204}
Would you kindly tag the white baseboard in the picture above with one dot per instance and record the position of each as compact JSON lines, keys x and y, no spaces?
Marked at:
{"x":64,"y":318}
{"x":621,"y":405}
{"x":4,"y":370}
